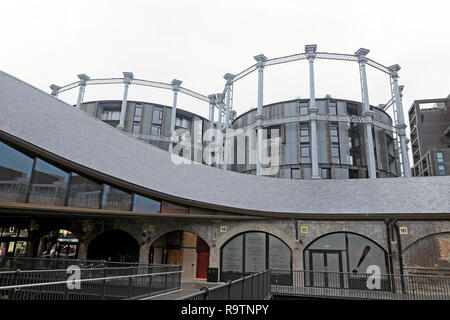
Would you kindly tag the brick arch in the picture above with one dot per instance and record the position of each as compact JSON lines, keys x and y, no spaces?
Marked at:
{"x":307,"y":245}
{"x":349,"y":229}
{"x":92,"y":236}
{"x":243,"y":229}
{"x":414,"y":241}
{"x":187,"y":228}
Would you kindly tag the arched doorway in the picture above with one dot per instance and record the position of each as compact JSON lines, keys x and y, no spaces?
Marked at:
{"x":114,"y":245}
{"x":252,"y":252}
{"x":341,"y":259}
{"x":58,"y":244}
{"x":182,"y":248}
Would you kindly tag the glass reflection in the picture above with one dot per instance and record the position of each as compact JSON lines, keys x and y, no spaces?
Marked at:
{"x":143,"y":204}
{"x":15,"y":173}
{"x":115,"y":199}
{"x":49,"y":184}
{"x":84,"y":193}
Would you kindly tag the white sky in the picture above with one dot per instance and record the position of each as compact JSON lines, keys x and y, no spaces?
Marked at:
{"x":51,"y":41}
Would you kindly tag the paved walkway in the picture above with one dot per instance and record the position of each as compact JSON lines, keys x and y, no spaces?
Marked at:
{"x":187,"y":287}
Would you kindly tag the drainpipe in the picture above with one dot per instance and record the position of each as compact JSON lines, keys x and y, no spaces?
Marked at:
{"x":389,"y":246}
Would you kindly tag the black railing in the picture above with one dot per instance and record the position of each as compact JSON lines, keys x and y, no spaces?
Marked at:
{"x":24,"y":263}
{"x":359,"y":285}
{"x":252,"y":287}
{"x":94,"y":284}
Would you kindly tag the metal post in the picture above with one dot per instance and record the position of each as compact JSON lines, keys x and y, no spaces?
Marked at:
{"x":367,"y":113}
{"x":175,"y":87}
{"x":212,"y":104}
{"x":311,"y":52}
{"x":83,"y":79}
{"x":128,"y":77}
{"x":400,"y":125}
{"x":55,"y":90}
{"x":229,"y":77}
{"x":261,"y":59}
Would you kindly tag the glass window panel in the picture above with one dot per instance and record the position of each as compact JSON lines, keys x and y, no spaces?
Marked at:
{"x":156,"y":130}
{"x":305,"y":151}
{"x":440,"y":157}
{"x":255,"y":251}
{"x":15,"y":173}
{"x":303,"y":108}
{"x":136,"y":127}
{"x":49,"y":184}
{"x":333,"y":110}
{"x":84,"y":193}
{"x":295,"y":173}
{"x":157,"y":115}
{"x":363,"y":252}
{"x":334,"y":241}
{"x":143,"y":204}
{"x":115,"y":199}
{"x":441,"y":170}
{"x":232,"y":255}
{"x":325,"y":173}
{"x":279,"y":254}
{"x":335,"y":151}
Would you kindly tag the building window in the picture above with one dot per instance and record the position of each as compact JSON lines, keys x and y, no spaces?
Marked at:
{"x":325,"y":173}
{"x":137,"y":118}
{"x":334,"y":138}
{"x":304,"y":143}
{"x":157,"y":115}
{"x":332,"y":108}
{"x":304,"y":108}
{"x":182,"y":122}
{"x":110,"y":115}
{"x":84,"y":193}
{"x":343,"y":252}
{"x":252,"y":252}
{"x":295,"y":173}
{"x":143,"y":204}
{"x":48,"y":185}
{"x":156,"y":130}
{"x":115,"y":199}
{"x":441,"y":170}
{"x":15,"y":173}
{"x":440,"y":157}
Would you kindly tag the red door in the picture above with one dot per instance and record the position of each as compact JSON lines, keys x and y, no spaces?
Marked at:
{"x":202,"y":263}
{"x":202,"y":258}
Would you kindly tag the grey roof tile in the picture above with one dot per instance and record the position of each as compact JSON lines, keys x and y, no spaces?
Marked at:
{"x":38,"y":118}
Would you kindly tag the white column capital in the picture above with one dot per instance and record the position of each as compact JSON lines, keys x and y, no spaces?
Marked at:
{"x":128,"y":77}
{"x":394,"y":69}
{"x":261,"y":59}
{"x":55,"y":90}
{"x":176,"y":85}
{"x":212,"y":98}
{"x":311,"y":49}
{"x":83,"y":79}
{"x":229,"y":77}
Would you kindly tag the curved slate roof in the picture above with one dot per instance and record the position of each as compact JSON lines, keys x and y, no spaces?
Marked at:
{"x":32,"y":115}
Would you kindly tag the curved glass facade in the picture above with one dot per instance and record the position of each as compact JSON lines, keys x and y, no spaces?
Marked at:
{"x":341,"y":145}
{"x":30,"y":179}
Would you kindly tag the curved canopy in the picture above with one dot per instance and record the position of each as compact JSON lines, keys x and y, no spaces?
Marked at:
{"x":30,"y":115}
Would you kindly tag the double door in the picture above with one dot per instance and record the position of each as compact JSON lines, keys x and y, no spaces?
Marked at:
{"x":326,"y":268}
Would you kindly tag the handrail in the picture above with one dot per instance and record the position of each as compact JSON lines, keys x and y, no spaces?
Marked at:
{"x":20,"y":286}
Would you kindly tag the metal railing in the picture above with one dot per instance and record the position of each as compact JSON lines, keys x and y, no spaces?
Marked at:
{"x":24,"y":263}
{"x":252,"y":287}
{"x":94,"y":283}
{"x":359,"y":285}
